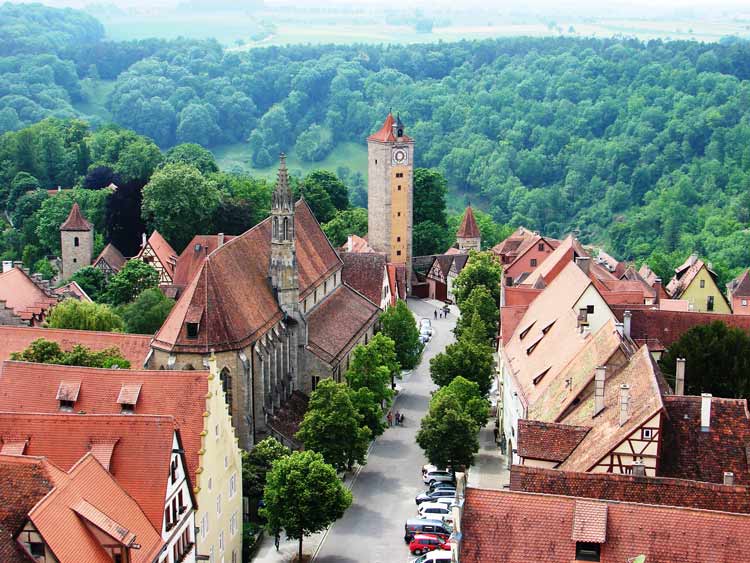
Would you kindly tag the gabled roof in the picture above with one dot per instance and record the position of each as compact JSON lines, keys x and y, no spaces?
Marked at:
{"x":72,"y":290}
{"x":689,"y":453}
{"x":89,"y":496}
{"x":355,"y":243}
{"x":740,"y":286}
{"x":112,"y":256}
{"x":139,"y":463}
{"x":685,"y":274}
{"x":385,"y":133}
{"x":365,"y":272}
{"x":443,"y":263}
{"x":193,"y":256}
{"x":548,"y":441}
{"x":232,"y":290}
{"x":539,"y":528}
{"x":134,"y":347}
{"x":509,"y":246}
{"x":337,"y":324}
{"x":26,"y":298}
{"x":164,"y":252}
{"x":31,"y":388}
{"x":397,"y":281}
{"x":75,"y":221}
{"x":468,"y":227}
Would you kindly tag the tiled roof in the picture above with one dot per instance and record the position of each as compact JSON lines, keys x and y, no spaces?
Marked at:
{"x":73,"y":291}
{"x":24,"y":481}
{"x":25,"y":297}
{"x":548,"y":441}
{"x":647,"y":274}
{"x":551,"y":266}
{"x":356,"y":243}
{"x":134,"y":347}
{"x":740,"y":286}
{"x":590,"y":522}
{"x":685,"y":274}
{"x":444,"y":262}
{"x":32,"y":388}
{"x":397,"y":281}
{"x":385,"y":133}
{"x":233,"y":290}
{"x":140,"y":462}
{"x":365,"y":272}
{"x":689,"y":453}
{"x":509,"y":246}
{"x":112,"y":256}
{"x":511,"y":527}
{"x":164,"y":252}
{"x":611,"y":263}
{"x":88,"y":494}
{"x":629,"y":488}
{"x":510,"y":316}
{"x":192,"y":257}
{"x":336,"y":324}
{"x":468,"y":227}
{"x":75,"y":221}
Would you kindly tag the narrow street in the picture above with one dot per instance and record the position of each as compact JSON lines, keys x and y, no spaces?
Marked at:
{"x":372,"y":529}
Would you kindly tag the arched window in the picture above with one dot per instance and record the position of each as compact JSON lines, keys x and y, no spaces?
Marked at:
{"x":226,"y":384}
{"x":76,"y":242}
{"x":286,"y":228}
{"x":275,"y":227}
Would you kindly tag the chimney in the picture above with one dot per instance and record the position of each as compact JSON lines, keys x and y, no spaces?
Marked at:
{"x":584,"y":263}
{"x":679,"y":384}
{"x":639,"y":469}
{"x":626,"y":318}
{"x":728,"y":478}
{"x":657,"y":287}
{"x":705,"y":412}
{"x":221,"y":239}
{"x":143,"y":240}
{"x":624,"y":403}
{"x":620,"y":329}
{"x":601,"y":377}
{"x":349,"y":243}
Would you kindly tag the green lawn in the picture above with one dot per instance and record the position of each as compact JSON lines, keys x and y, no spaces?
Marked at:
{"x":237,"y":157}
{"x":96,"y":97}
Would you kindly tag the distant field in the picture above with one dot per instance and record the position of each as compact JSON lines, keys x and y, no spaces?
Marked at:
{"x":236,"y":157}
{"x":96,"y":93}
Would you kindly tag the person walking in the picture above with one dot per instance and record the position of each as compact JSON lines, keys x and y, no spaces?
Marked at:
{"x":435,"y":312}
{"x":397,"y":418}
{"x":401,"y":420}
{"x":389,"y":418}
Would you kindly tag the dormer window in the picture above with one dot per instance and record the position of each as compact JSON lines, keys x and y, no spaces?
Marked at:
{"x":588,"y":551}
{"x":128,"y":397}
{"x":192,"y":330}
{"x":192,"y":320}
{"x":525,"y":331}
{"x":67,"y":394}
{"x":66,"y":406}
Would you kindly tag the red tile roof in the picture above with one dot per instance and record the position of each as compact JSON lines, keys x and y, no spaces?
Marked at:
{"x":385,"y":133}
{"x":164,"y":252}
{"x":468,"y":227}
{"x":356,"y":243}
{"x":740,"y":286}
{"x":75,"y":221}
{"x":233,"y":291}
{"x":140,"y":461}
{"x":33,"y":388}
{"x":72,"y":290}
{"x":365,"y":272}
{"x":685,"y":274}
{"x":134,"y":347}
{"x":548,"y":441}
{"x":689,"y":453}
{"x":28,"y":301}
{"x":510,"y":527}
{"x":629,"y":488}
{"x":337,"y":324}
{"x":112,"y":256}
{"x":397,"y":281}
{"x":193,"y":256}
{"x":590,"y":522}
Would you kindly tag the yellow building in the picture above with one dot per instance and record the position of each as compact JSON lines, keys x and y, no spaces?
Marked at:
{"x":695,"y":282}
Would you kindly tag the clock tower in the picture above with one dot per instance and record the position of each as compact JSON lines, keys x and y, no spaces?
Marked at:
{"x":390,"y":176}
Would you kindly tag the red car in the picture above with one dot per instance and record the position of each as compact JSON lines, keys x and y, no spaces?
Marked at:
{"x":422,"y":543}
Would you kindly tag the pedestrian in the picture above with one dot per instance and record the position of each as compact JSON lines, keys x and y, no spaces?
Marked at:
{"x":389,"y":417}
{"x":397,"y":418}
{"x":401,"y":421}
{"x":276,"y":541}
{"x":435,"y":312}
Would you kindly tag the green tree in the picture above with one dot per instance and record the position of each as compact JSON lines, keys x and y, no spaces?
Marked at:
{"x":369,"y":409}
{"x":194,"y":155}
{"x":21,"y":185}
{"x":138,"y":160}
{"x":81,"y":315}
{"x":430,"y":238}
{"x":44,"y":268}
{"x":398,"y":324}
{"x":319,"y":201}
{"x":333,"y":427}
{"x":373,"y":366}
{"x":448,"y":434}
{"x":303,"y":495}
{"x":469,"y":397}
{"x":134,"y":278}
{"x":430,"y":188}
{"x":47,"y":352}
{"x":147,"y":313}
{"x":179,"y":202}
{"x":482,"y":268}
{"x":471,"y":360}
{"x":255,"y":466}
{"x":329,"y":183}
{"x":479,"y":302}
{"x":91,"y":280}
{"x":345,"y":223}
{"x":717,"y":360}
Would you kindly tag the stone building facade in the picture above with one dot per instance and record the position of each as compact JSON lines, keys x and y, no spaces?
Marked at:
{"x":77,"y":243}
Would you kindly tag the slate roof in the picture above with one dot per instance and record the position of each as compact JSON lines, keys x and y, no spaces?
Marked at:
{"x":26,"y":298}
{"x":740,"y":286}
{"x":134,"y":347}
{"x":512,"y":527}
{"x":548,"y":441}
{"x":689,"y":453}
{"x":32,"y":388}
{"x":233,"y":294}
{"x":468,"y":227}
{"x":365,"y":272}
{"x":629,"y":488}
{"x":385,"y":133}
{"x":112,"y":256}
{"x":139,"y":462}
{"x":336,"y":324}
{"x":75,"y":221}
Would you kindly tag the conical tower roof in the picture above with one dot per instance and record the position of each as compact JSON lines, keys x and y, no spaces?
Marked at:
{"x":468,"y":228}
{"x":385,"y":134}
{"x":75,"y":221}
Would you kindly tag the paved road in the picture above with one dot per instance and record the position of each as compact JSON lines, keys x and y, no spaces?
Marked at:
{"x":372,"y":530}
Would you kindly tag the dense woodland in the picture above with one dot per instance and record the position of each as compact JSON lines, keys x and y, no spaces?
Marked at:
{"x":642,"y":147}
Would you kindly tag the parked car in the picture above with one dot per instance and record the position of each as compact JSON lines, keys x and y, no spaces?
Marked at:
{"x":425,"y":334}
{"x":439,"y":486}
{"x":434,"y":510}
{"x":422,"y":543}
{"x":425,"y":323}
{"x":432,"y":526}
{"x":423,"y":339}
{"x":430,"y":497}
{"x":443,"y":476}
{"x":439,"y":556}
{"x":427,"y":467}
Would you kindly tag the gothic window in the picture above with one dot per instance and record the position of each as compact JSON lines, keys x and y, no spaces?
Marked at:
{"x":275,"y":227}
{"x":226,"y":385}
{"x":76,"y":242}
{"x":286,"y":228}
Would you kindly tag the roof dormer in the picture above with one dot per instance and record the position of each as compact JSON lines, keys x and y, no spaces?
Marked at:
{"x":128,"y":397}
{"x":67,"y":395}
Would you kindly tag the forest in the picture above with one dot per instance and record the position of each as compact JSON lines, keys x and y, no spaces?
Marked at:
{"x":642,"y":147}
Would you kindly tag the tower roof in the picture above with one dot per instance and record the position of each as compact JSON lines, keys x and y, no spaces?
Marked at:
{"x":468,"y":228}
{"x":75,"y":221}
{"x":385,"y":134}
{"x":282,"y":184}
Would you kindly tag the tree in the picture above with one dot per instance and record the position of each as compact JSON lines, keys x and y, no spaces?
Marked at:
{"x":314,"y":144}
{"x":134,"y":277}
{"x":399,"y":325}
{"x":197,"y":124}
{"x":99,"y":177}
{"x":373,"y":366}
{"x":138,"y":160}
{"x":430,"y":238}
{"x":21,"y":184}
{"x":81,"y":315}
{"x":123,"y":222}
{"x":369,"y":409}
{"x":482,"y":268}
{"x":430,"y":188}
{"x":717,"y":360}
{"x":91,"y":280}
{"x":471,"y":360}
{"x":345,"y":223}
{"x":255,"y":466}
{"x":179,"y":202}
{"x":194,"y":155}
{"x":481,"y":303}
{"x":333,"y":427}
{"x":303,"y":495}
{"x":448,"y":434}
{"x":147,"y":313}
{"x":469,"y":397}
{"x":48,"y":352}
{"x":319,"y":201}
{"x":330,"y":184}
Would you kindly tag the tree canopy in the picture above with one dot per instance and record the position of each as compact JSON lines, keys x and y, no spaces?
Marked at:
{"x":81,"y":315}
{"x":482,"y":269}
{"x":134,"y":277}
{"x":48,"y":352}
{"x":147,"y":312}
{"x":398,"y":324}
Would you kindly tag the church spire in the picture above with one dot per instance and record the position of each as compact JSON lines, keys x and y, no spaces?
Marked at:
{"x":283,"y":264}
{"x":282,"y":193}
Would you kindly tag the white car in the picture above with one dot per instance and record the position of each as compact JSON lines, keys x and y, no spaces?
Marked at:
{"x":438,"y":475}
{"x":434,"y":510}
{"x":440,"y":556}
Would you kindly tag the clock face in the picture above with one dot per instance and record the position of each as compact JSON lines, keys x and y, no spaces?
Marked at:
{"x":400,"y":155}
